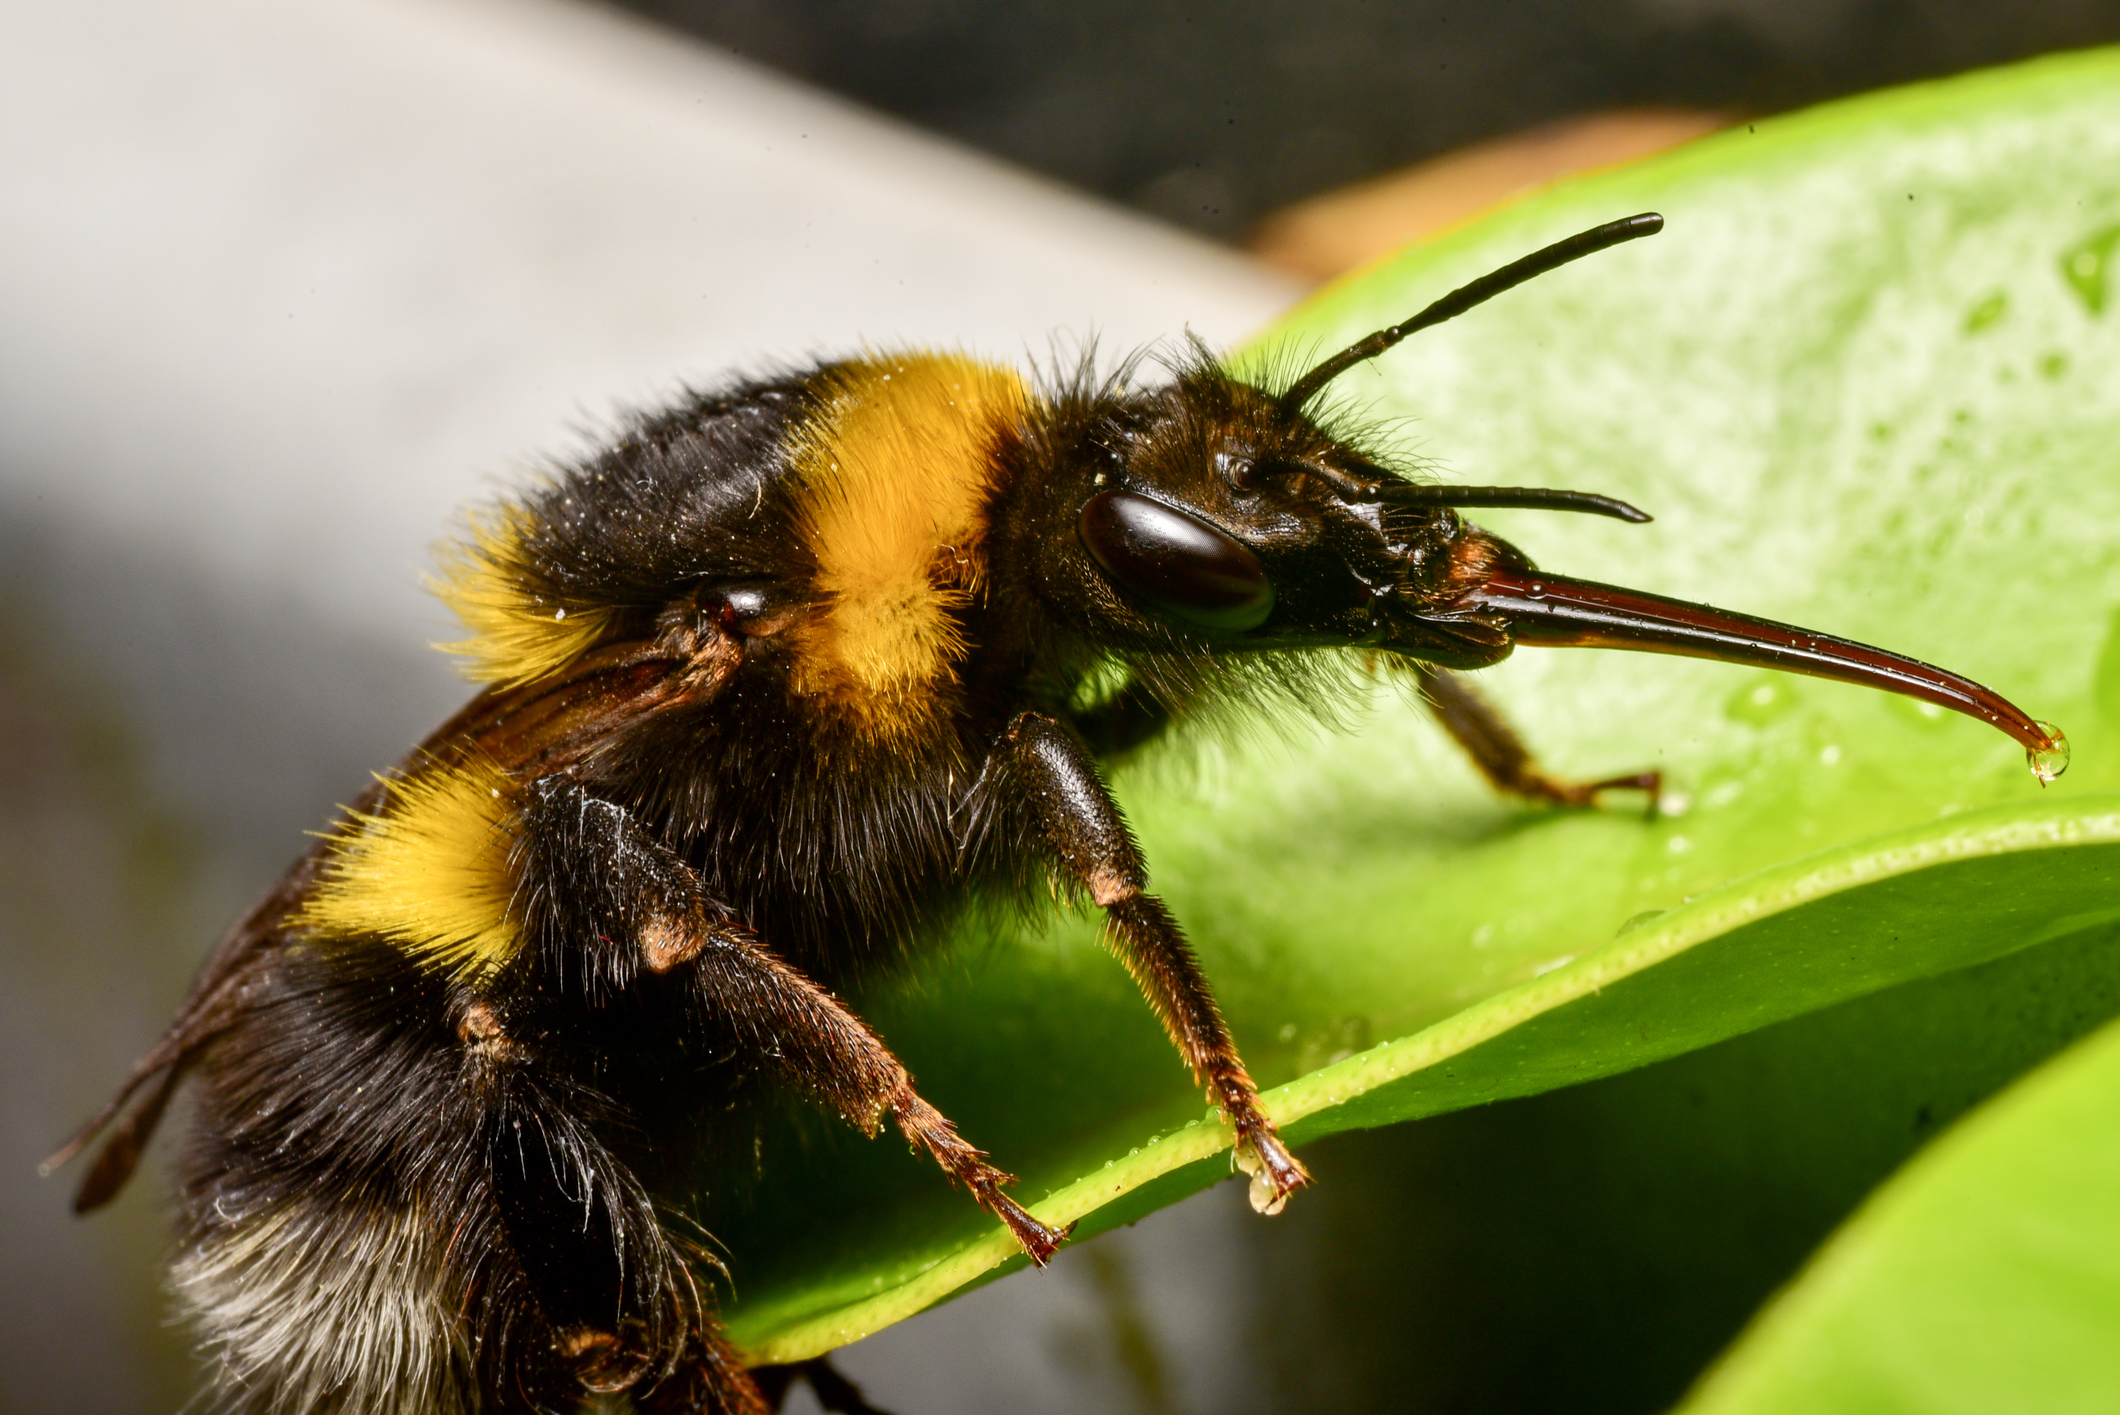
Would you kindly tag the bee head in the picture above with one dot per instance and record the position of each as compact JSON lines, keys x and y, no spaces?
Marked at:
{"x":1227,"y":513}
{"x":1226,"y":516}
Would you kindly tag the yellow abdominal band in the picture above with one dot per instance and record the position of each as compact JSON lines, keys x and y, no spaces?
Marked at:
{"x":429,"y":872}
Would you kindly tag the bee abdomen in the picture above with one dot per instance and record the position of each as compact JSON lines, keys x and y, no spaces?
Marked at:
{"x":330,"y":1307}
{"x":429,"y":871}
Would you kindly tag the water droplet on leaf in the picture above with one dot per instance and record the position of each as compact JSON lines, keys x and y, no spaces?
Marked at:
{"x":1987,"y":312}
{"x":1760,"y":703}
{"x":2084,"y":265}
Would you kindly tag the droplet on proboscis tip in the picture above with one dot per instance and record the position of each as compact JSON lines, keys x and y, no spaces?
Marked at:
{"x":2049,"y":761}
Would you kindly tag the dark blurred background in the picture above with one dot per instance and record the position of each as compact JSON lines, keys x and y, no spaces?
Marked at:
{"x":1215,"y":115}
{"x":167,"y":730}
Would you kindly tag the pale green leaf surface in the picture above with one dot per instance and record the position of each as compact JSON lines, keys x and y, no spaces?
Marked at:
{"x":1984,"y":1277}
{"x":1864,"y":381}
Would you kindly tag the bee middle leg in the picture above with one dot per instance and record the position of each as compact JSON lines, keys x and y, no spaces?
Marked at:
{"x":1502,"y":756}
{"x":829,"y":1052}
{"x":621,"y":884}
{"x":1043,"y":774}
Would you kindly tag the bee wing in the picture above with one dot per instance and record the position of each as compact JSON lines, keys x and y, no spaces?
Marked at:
{"x":552,"y":723}
{"x":215,"y":998}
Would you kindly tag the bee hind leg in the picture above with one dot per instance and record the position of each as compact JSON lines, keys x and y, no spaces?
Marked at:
{"x":589,"y":1295}
{"x":710,"y":1379}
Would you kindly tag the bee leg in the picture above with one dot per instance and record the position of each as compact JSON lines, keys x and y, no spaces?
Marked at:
{"x":829,"y":1052}
{"x":598,"y":1300}
{"x":1041,"y":767}
{"x":834,"y":1392}
{"x":593,"y":872}
{"x":1502,"y":756}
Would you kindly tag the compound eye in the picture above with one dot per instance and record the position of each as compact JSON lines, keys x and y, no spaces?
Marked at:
{"x":1177,"y":563}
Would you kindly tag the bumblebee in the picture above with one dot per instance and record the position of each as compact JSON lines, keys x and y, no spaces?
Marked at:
{"x":777,"y":683}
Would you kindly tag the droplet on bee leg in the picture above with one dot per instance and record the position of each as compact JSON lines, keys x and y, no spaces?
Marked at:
{"x":1263,"y":1199}
{"x":2051,"y":760}
{"x":1261,"y":1191}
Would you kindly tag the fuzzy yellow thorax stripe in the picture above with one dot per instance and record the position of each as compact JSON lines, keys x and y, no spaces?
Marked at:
{"x":429,"y":871}
{"x":892,"y":476}
{"x":516,"y":635}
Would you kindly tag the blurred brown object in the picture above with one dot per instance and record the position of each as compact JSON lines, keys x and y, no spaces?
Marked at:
{"x":1333,"y":233}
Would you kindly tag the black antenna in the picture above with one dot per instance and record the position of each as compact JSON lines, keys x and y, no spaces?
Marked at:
{"x":1537,"y":498}
{"x":1464,"y":298}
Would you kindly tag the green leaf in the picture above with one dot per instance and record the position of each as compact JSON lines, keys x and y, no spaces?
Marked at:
{"x":1984,"y":1277}
{"x":1597,"y":1247}
{"x":1862,"y":381}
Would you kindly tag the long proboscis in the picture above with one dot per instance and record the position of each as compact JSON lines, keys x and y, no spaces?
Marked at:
{"x":1463,"y":298}
{"x":1555,"y":611}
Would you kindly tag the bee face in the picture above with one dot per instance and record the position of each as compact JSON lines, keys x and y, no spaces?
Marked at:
{"x":1237,"y":521}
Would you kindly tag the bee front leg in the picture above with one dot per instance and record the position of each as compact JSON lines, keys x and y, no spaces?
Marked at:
{"x":606,"y":877}
{"x":1502,"y":756}
{"x":1041,"y":769}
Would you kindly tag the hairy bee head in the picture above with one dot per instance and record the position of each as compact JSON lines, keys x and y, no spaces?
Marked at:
{"x":1225,"y":514}
{"x":1228,"y":515}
